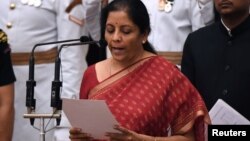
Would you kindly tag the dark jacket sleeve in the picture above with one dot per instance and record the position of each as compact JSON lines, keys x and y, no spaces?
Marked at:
{"x":7,"y":75}
{"x":187,"y":64}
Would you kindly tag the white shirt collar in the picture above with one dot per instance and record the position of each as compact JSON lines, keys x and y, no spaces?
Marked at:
{"x":228,"y":29}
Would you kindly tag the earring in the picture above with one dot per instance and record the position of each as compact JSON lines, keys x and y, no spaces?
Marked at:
{"x":143,"y":42}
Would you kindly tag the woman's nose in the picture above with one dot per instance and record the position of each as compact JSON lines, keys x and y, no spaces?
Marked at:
{"x":116,"y":36}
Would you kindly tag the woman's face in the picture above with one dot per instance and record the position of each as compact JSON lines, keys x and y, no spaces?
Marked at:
{"x":123,"y":37}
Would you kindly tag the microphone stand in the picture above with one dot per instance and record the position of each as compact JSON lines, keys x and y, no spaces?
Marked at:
{"x":31,"y":83}
{"x":80,"y":43}
{"x":42,"y":118}
{"x":56,"y":101}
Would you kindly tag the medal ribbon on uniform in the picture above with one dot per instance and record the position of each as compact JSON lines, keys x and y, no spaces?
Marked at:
{"x":166,"y":5}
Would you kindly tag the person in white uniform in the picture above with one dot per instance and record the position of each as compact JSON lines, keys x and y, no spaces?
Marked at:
{"x":29,"y":22}
{"x":171,"y":20}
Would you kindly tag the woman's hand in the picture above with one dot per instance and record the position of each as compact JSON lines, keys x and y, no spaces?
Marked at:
{"x":128,"y":135}
{"x":125,"y":135}
{"x":76,"y":134}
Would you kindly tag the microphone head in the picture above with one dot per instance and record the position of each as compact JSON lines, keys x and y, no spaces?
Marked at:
{"x":84,"y":39}
{"x":103,"y":43}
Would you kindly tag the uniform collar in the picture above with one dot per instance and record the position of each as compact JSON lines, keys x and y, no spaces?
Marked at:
{"x":238,"y":29}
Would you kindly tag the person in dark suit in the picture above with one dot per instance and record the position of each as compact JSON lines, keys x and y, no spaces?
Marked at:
{"x":216,"y":57}
{"x":7,"y":79}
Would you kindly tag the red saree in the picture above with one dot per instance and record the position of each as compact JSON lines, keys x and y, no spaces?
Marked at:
{"x":151,"y":97}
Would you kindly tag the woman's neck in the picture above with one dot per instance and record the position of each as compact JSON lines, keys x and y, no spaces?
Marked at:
{"x":125,"y":63}
{"x":116,"y":65}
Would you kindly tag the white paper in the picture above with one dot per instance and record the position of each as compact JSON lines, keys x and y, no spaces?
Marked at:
{"x":222,"y":113}
{"x":92,"y":116}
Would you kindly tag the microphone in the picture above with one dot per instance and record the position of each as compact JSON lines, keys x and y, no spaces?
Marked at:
{"x":101,"y":42}
{"x":31,"y":83}
{"x":56,"y":101}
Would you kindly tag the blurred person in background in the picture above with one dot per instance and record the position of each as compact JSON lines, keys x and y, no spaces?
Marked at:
{"x":7,"y":79}
{"x":29,"y":22}
{"x":216,"y":57}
